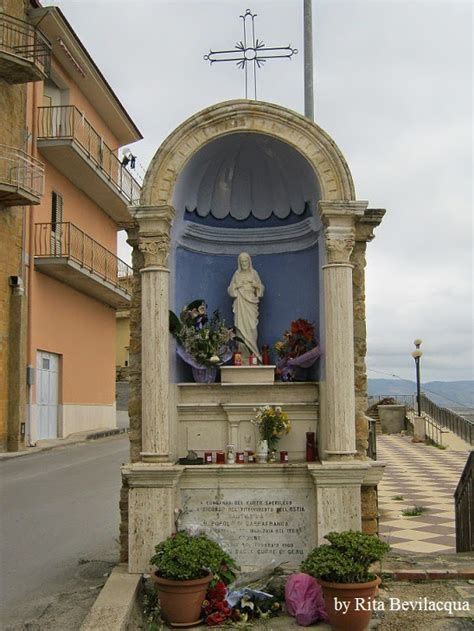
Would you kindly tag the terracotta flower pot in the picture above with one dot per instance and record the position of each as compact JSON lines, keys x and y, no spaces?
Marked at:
{"x":181,"y":601}
{"x":358,"y":613}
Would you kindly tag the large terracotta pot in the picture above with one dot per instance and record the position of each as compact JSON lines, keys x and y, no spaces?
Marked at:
{"x":181,"y":601}
{"x":359,"y":612}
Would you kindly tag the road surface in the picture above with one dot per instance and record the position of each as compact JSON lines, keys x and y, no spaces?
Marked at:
{"x":59,"y":511}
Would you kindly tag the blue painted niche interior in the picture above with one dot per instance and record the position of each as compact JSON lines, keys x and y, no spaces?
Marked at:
{"x":290,"y":278}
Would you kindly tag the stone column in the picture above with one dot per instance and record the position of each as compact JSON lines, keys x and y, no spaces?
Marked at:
{"x":364,"y":232}
{"x":339,"y":219}
{"x":154,"y":242}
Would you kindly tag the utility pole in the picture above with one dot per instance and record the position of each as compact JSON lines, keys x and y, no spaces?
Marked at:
{"x":308,"y":61}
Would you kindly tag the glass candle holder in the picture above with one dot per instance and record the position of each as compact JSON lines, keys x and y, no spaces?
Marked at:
{"x":208,"y":457}
{"x":220,"y":457}
{"x":283,"y":456}
{"x":239,"y":457}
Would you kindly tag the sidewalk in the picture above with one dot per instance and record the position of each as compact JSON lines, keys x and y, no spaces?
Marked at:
{"x":72,"y":439}
{"x":424,"y":476}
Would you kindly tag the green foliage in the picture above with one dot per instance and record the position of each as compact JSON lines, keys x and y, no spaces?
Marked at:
{"x":174,"y":323}
{"x":347,"y":559}
{"x":151,"y":608}
{"x":398,"y":498}
{"x":206,"y":339}
{"x":184,"y":557}
{"x":413,"y":512}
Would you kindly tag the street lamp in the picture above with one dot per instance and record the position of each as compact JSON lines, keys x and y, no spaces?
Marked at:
{"x":416,"y":356}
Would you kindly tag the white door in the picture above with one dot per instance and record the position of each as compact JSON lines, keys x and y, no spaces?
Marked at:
{"x":47,"y":394}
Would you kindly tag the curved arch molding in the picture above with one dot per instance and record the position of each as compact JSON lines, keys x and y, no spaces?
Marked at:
{"x":218,"y":120}
{"x":213,"y":240}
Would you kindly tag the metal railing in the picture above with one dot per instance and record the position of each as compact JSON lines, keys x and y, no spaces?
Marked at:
{"x":67,"y":241}
{"x":459,"y":425}
{"x":464,"y":508}
{"x":433,"y":431}
{"x":66,"y":121}
{"x":21,"y":170}
{"x":25,"y":41}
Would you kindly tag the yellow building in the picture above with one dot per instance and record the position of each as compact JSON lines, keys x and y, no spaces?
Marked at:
{"x":63,"y":195}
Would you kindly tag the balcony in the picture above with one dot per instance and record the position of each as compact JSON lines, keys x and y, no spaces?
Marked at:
{"x":71,"y":144}
{"x":72,"y":257}
{"x":21,"y":178}
{"x":25,"y":53}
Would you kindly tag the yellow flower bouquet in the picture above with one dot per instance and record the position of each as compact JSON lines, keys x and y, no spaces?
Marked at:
{"x":272,"y":424}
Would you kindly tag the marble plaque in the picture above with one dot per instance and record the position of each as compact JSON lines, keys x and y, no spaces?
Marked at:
{"x":254,"y":525}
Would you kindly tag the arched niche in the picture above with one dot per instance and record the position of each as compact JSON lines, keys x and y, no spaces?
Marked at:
{"x":247,"y":176}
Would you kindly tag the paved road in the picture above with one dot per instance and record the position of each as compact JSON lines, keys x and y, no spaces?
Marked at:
{"x":57,"y":509}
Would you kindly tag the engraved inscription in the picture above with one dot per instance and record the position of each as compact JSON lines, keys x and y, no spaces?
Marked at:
{"x":254,"y":526}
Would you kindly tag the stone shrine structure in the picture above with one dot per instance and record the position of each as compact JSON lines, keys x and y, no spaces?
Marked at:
{"x":302,"y":217}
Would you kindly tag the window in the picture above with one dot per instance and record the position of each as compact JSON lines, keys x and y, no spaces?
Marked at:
{"x":56,"y":211}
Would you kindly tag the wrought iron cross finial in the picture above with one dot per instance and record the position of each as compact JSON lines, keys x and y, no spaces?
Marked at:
{"x":253,"y":52}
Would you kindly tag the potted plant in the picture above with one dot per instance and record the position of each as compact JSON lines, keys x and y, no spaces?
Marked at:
{"x":342,"y":569}
{"x":185,"y":566}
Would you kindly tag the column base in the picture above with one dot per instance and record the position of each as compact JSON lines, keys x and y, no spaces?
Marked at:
{"x":339,"y":455}
{"x":338,"y":496}
{"x":148,"y":456}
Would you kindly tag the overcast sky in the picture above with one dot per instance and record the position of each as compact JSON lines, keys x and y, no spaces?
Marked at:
{"x":393,"y":87}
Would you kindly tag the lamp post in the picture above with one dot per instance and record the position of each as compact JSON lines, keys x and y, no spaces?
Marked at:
{"x":416,"y":356}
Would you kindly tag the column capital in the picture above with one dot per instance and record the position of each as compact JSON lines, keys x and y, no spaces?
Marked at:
{"x":341,"y":213}
{"x":154,"y":225}
{"x":154,"y":220}
{"x":366,"y":224}
{"x":339,"y":220}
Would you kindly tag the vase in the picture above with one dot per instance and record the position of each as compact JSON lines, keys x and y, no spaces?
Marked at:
{"x":181,"y":601}
{"x":358,"y":597}
{"x":205,"y":375}
{"x":262,"y":451}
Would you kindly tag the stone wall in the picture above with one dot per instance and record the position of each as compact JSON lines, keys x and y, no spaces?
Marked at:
{"x":13,"y":311}
{"x":364,"y":234}
{"x":135,"y":399}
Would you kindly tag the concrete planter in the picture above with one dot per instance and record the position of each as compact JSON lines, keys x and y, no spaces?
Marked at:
{"x":392,"y":418}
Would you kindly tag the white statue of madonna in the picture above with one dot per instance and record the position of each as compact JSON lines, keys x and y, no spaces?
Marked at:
{"x":246,"y":288}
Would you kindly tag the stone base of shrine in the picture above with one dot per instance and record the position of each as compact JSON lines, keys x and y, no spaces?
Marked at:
{"x":259,"y":513}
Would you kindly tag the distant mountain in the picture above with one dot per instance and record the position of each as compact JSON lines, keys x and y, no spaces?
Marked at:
{"x":451,"y":394}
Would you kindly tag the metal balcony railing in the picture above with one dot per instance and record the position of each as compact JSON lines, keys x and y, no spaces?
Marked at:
{"x":65,"y":240}
{"x":21,"y":171}
{"x":67,"y":122}
{"x":25,"y":41}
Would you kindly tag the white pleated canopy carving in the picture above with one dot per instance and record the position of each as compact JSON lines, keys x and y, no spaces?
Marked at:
{"x":246,"y":174}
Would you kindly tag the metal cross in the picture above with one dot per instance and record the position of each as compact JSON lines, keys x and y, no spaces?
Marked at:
{"x":252,"y":51}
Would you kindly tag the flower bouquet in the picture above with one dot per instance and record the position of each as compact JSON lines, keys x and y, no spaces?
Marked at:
{"x":272,"y":424}
{"x":203,"y":343}
{"x":297,"y":350}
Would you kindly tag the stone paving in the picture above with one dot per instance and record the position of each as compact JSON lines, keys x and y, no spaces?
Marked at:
{"x":418,"y":475}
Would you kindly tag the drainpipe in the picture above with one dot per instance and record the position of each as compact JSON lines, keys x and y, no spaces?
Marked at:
{"x":30,"y":360}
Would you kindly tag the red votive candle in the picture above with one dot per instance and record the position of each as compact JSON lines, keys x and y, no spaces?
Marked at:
{"x":283,"y":456}
{"x":220,"y":457}
{"x":239,"y":457}
{"x":250,"y":456}
{"x":208,"y":457}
